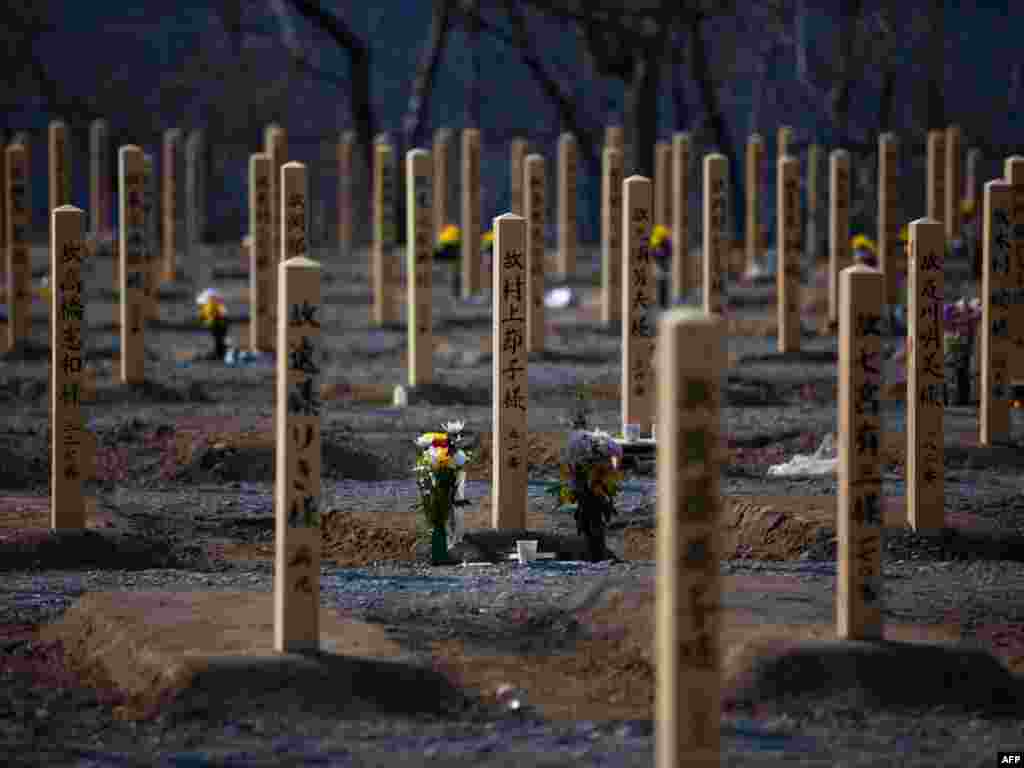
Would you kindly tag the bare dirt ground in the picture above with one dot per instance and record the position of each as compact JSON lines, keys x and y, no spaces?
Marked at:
{"x":183,"y":500}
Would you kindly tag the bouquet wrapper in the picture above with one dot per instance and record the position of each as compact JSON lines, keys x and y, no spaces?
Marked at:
{"x":456,"y":518}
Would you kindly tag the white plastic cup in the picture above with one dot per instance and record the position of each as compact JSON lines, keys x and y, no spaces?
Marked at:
{"x":632,"y":432}
{"x":526,"y":550}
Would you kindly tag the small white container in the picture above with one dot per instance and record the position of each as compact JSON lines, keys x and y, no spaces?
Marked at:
{"x":631,"y":432}
{"x":526,"y":550}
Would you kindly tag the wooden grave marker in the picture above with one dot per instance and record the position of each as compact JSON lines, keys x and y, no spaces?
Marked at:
{"x":716,"y":239}
{"x":67,"y":381}
{"x":692,"y":350}
{"x":567,"y":155}
{"x":925,"y":377}
{"x":679,"y":278}
{"x":997,"y":290}
{"x":859,"y":494}
{"x":442,"y":160}
{"x":131,"y":174}
{"x":419,"y":266}
{"x":18,"y":264}
{"x":954,"y":182}
{"x":754,"y":174}
{"x":100,"y":224}
{"x":1013,"y":172}
{"x":811,"y":249}
{"x":611,"y":235}
{"x":638,"y":298}
{"x":935,"y":187}
{"x":346,"y":182}
{"x":892,"y":256}
{"x":840,"y":254}
{"x":787,"y":277}
{"x":297,"y":492}
{"x":518,"y":150}
{"x":663,"y":184}
{"x":261,"y":264}
{"x":171,"y":145}
{"x":509,"y":369}
{"x":470,"y":158}
{"x":535,"y":186}
{"x":385,"y":307}
{"x":59,"y":154}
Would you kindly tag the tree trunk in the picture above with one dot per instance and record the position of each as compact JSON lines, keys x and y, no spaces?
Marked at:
{"x":839,"y":97}
{"x":936,"y":72}
{"x":423,"y":86}
{"x":473,"y":97}
{"x":642,"y":114}
{"x":719,"y":130}
{"x":680,"y":110}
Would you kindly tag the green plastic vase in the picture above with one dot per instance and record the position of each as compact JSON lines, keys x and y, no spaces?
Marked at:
{"x":439,"y":545}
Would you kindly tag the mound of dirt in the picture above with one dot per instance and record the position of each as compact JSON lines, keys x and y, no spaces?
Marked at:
{"x":46,"y":549}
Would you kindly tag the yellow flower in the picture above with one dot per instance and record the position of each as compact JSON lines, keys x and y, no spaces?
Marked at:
{"x":659,"y":236}
{"x":904,"y":234}
{"x":863,"y":242}
{"x":967,"y":208}
{"x":212,"y":311}
{"x":488,"y":238}
{"x":450,"y":235}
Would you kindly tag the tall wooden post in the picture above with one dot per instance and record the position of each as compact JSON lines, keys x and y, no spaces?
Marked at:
{"x":754,"y":172}
{"x":1013,"y":172}
{"x":663,"y":184}
{"x":19,"y":268}
{"x":925,"y":380}
{"x":535,"y":207}
{"x":262,"y":266}
{"x":679,"y":280}
{"x":892,"y":258}
{"x":566,"y":206}
{"x":954,"y":182}
{"x":509,"y":374}
{"x":297,"y":490}
{"x":637,"y":299}
{"x":997,"y":290}
{"x":611,"y":235}
{"x":67,"y":465}
{"x":346,"y":167}
{"x":787,"y":277}
{"x":811,"y":244}
{"x":716,"y":239}
{"x":470,"y":212}
{"x":692,"y":352}
{"x":384,"y":233}
{"x":840,"y":254}
{"x":99,"y":180}
{"x":936,"y":183}
{"x":60,"y":165}
{"x":441,"y":156}
{"x":419,"y":266}
{"x":172,"y":140}
{"x":132,"y":248}
{"x":517,"y":152}
{"x":859,"y":503}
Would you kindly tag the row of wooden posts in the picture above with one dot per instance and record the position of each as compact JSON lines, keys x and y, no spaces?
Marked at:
{"x":528,"y":196}
{"x":685,"y":402}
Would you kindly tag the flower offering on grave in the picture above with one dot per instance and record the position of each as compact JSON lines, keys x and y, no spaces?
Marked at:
{"x":441,"y":479}
{"x":590,"y":479}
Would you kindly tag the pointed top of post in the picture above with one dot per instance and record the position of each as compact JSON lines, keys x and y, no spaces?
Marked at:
{"x":417,"y":152}
{"x":293,"y":164}
{"x":637,"y":177}
{"x":68,"y":209}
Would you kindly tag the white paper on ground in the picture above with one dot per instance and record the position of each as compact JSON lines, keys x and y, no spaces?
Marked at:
{"x":824,"y":461}
{"x":559,"y":298}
